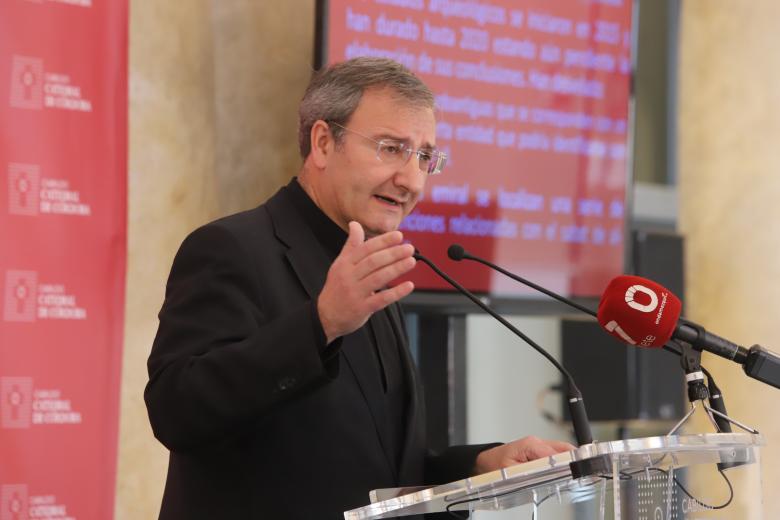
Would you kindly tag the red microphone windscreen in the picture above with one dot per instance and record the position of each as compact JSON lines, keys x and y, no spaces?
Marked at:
{"x":639,"y":311}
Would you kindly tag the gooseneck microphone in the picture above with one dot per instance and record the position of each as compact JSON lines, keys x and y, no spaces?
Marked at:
{"x":579,"y":417}
{"x":644,"y":313}
{"x":457,"y":252}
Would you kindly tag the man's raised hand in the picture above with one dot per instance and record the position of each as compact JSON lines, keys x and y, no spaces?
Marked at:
{"x":356,"y":284}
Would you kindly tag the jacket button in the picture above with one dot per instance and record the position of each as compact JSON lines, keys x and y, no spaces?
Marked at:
{"x":286,"y":383}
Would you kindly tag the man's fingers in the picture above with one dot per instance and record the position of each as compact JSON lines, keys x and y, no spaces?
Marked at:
{"x":382,"y":299}
{"x":381,"y":277}
{"x":537,"y":451}
{"x":354,"y":287}
{"x":560,"y":446}
{"x":382,"y":258}
{"x":537,"y":448}
{"x":356,"y":235}
{"x":375,"y":244}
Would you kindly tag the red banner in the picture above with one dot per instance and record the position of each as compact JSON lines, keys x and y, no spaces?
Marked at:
{"x":63,"y":205}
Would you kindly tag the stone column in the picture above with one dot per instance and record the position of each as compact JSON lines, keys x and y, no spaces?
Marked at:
{"x":214,"y":87}
{"x":729,"y":181}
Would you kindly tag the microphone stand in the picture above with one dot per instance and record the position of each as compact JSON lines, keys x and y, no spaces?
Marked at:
{"x":690,"y":355}
{"x":698,"y":391}
{"x":580,"y":468}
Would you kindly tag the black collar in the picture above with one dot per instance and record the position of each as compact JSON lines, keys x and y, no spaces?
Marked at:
{"x":328,"y":233}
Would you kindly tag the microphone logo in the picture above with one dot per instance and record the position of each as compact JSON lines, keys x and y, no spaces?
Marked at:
{"x":638,"y":311}
{"x":650,"y":307}
{"x":613,"y":326}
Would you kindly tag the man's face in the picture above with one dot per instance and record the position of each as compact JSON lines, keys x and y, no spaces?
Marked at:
{"x":357,"y":184}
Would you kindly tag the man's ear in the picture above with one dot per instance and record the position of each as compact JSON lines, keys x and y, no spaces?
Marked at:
{"x":322,"y":143}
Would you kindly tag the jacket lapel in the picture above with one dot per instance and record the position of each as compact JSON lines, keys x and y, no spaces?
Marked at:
{"x":310,"y":263}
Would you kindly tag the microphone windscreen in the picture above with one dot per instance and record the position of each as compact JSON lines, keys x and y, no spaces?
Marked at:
{"x":639,"y":311}
{"x":456,"y":252}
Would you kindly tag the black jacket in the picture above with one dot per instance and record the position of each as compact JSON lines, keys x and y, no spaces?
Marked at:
{"x":260,"y":424}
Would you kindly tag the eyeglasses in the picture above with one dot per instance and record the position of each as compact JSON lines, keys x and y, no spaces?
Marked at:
{"x":394,"y":152}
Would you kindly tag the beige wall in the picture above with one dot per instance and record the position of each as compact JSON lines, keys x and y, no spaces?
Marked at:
{"x":214,"y":87}
{"x":729,"y":128}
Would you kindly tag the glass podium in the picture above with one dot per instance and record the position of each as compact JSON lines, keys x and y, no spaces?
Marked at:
{"x":654,"y":478}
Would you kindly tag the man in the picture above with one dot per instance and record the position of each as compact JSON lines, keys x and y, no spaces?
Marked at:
{"x":280,"y":377}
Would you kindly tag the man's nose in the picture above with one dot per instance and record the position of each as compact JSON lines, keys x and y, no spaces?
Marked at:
{"x":409,"y":175}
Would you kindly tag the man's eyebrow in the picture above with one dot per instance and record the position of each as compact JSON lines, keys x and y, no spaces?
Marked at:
{"x":390,"y":137}
{"x":393,"y":137}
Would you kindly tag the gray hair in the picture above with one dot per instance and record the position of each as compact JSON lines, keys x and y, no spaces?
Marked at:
{"x":334,"y":93}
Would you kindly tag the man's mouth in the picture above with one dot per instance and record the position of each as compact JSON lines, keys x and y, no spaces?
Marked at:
{"x":388,"y":200}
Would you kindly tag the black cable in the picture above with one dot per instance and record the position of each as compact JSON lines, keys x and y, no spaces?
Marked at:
{"x":457,"y":514}
{"x":702,"y":504}
{"x":624,"y":475}
{"x":682,"y":488}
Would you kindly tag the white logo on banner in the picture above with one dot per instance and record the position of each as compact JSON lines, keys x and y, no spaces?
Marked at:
{"x":20,"y":295}
{"x":23,"y":188}
{"x":57,"y":198}
{"x":32,"y":87}
{"x":27,"y":82}
{"x":13,"y":502}
{"x":16,"y":402}
{"x":22,"y":405}
{"x":27,"y":299}
{"x":16,"y":505}
{"x":30,"y":194}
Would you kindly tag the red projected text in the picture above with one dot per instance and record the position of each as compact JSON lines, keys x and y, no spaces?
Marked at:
{"x":532,"y":107}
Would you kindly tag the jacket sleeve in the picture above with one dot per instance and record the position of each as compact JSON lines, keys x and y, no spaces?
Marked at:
{"x":220,"y":361}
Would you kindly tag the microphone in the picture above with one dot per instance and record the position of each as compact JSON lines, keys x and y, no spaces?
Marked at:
{"x":457,"y":253}
{"x":644,"y":313}
{"x":579,"y":416}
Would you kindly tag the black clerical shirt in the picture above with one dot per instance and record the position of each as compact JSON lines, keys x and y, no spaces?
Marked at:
{"x":385,"y":344}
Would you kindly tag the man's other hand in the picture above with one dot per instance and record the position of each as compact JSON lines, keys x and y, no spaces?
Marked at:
{"x":517,"y":452}
{"x":356,"y":284}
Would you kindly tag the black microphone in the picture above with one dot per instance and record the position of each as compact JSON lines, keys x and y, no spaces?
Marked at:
{"x":757,"y":362}
{"x":579,"y":417}
{"x":626,"y":318}
{"x":457,"y":253}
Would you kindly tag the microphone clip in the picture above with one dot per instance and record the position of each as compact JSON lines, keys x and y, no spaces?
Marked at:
{"x":690,"y":359}
{"x":691,"y":364}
